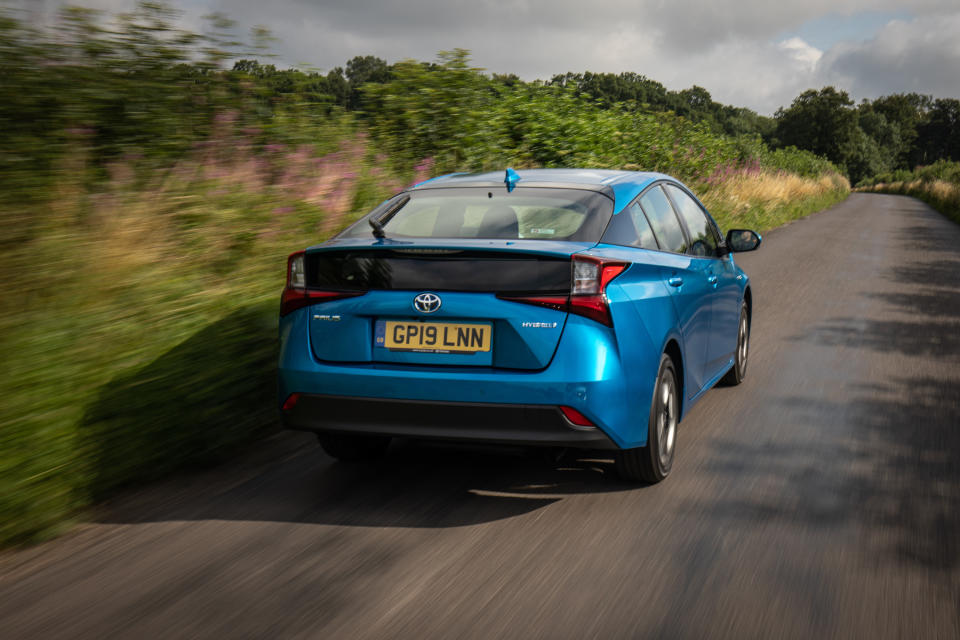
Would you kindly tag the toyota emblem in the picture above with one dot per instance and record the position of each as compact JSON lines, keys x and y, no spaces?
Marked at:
{"x":426,"y":302}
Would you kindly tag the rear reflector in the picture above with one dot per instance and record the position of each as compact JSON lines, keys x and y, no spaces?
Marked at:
{"x":291,"y":401}
{"x":576,"y":417}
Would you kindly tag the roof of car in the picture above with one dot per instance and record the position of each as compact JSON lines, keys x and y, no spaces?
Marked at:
{"x":621,"y":186}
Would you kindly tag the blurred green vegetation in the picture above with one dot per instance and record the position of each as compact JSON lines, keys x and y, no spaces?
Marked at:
{"x":892,"y":133}
{"x":937,"y":184}
{"x":149,"y":197}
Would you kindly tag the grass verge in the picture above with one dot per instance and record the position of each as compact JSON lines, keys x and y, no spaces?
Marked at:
{"x":764,"y":200}
{"x":941,"y":195}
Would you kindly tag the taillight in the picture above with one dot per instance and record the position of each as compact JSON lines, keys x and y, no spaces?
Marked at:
{"x":588,"y":291}
{"x":295,"y":293}
{"x":588,"y":295}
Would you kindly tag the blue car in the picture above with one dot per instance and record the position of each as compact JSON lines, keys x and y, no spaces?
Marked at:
{"x":553,"y":307}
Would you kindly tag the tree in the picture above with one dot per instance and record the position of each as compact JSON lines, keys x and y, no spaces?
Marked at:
{"x":886,"y":136}
{"x":905,"y":111}
{"x":939,"y":137}
{"x":338,"y":86}
{"x":441,"y":110}
{"x":820,"y":121}
{"x":361,"y":70}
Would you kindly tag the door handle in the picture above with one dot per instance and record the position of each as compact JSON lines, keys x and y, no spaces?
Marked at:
{"x":712,"y":280}
{"x":675,"y":281}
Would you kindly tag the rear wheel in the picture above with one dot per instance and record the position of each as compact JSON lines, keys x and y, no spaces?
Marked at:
{"x":653,"y":462}
{"x":739,"y":369}
{"x":351,"y":448}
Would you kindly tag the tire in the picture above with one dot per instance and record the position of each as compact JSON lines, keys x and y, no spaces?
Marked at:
{"x":653,"y":462}
{"x":739,"y":369}
{"x":350,"y":448}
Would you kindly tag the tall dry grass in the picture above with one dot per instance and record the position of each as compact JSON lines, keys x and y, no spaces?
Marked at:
{"x":942,"y":195}
{"x":761,"y":200}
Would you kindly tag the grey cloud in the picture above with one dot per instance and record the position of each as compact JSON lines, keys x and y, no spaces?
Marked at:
{"x":681,"y":26}
{"x":727,"y":47}
{"x":921,"y":56}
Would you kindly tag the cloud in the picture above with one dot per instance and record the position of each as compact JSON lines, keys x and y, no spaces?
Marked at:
{"x":732,"y":48}
{"x":802,"y":52}
{"x":922,"y":55}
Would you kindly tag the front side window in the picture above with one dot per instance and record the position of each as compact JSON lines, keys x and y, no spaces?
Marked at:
{"x":664,"y":220}
{"x":703,"y":239}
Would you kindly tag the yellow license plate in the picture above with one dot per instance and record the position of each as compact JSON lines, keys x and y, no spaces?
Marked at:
{"x":436,"y":337}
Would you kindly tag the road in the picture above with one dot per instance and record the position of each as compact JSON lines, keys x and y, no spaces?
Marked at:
{"x":819,"y":499}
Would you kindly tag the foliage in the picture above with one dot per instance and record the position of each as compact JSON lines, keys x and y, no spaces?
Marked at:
{"x":440,"y":111}
{"x":642,"y":93}
{"x":893,"y":132}
{"x":938,"y":135}
{"x":467,"y":121}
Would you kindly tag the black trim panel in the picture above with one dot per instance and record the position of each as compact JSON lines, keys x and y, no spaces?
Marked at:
{"x":462,"y":421}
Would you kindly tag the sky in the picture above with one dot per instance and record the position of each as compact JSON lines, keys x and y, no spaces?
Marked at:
{"x":753,"y":53}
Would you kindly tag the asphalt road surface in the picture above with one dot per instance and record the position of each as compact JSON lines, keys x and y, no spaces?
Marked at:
{"x":819,"y":499}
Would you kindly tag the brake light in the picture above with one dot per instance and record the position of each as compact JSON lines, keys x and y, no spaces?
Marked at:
{"x":588,"y":292}
{"x":295,"y":293}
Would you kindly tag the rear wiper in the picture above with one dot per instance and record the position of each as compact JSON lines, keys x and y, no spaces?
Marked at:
{"x":378,"y":222}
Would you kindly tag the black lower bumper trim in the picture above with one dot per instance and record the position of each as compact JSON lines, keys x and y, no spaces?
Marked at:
{"x":462,"y":421}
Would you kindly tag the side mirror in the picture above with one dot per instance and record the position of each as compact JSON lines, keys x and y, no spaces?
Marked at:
{"x":740,"y":240}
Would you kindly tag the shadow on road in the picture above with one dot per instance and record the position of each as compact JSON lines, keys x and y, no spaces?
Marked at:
{"x":927,"y":319}
{"x":192,"y":405}
{"x":896,"y":474}
{"x":882,"y":456}
{"x":416,"y":485}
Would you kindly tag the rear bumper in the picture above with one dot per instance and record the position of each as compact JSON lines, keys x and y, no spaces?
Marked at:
{"x":462,"y":421}
{"x":586,"y":373}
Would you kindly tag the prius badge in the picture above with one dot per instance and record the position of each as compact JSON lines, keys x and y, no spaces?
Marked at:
{"x":427,"y":302}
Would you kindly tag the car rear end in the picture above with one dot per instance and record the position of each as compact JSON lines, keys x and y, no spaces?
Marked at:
{"x":499,"y":339}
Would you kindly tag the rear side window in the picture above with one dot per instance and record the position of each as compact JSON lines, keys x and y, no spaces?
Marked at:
{"x":630,"y":228}
{"x":664,"y":221}
{"x":703,"y":239}
{"x":645,"y":233}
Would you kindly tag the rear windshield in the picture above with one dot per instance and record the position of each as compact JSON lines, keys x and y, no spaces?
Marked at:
{"x":532,"y":213}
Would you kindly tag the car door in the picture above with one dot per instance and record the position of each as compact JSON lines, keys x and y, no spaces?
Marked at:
{"x":724,"y":288}
{"x":688,"y":280}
